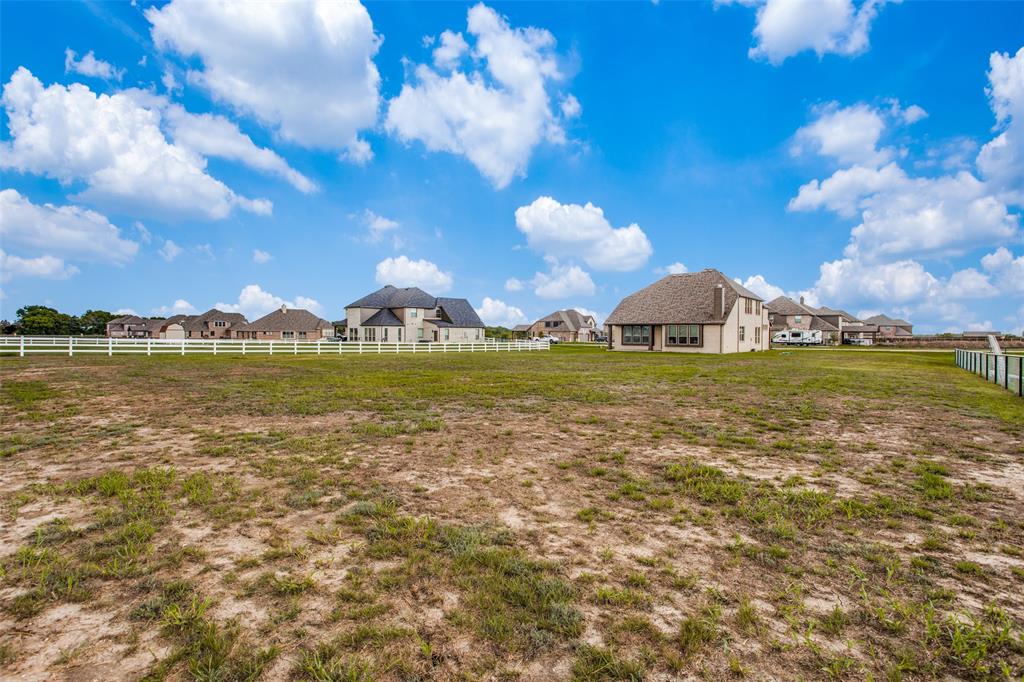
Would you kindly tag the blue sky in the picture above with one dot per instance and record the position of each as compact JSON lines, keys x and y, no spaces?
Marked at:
{"x":527,"y":156}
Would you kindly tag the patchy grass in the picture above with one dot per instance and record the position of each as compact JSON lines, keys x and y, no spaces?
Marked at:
{"x":571,"y":514}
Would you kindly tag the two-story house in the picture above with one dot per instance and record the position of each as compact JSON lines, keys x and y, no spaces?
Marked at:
{"x":411,"y":314}
{"x":565,"y":325}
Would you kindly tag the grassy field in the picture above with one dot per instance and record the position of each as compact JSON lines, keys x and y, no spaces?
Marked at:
{"x":570,"y":514}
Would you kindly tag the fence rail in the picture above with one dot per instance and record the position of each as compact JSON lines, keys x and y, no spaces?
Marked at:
{"x":72,"y":346}
{"x":1006,"y":370}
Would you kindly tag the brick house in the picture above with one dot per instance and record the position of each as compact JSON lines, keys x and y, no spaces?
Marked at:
{"x":411,"y":314}
{"x":694,"y":312}
{"x":286,"y":324}
{"x":565,"y":325}
{"x":213,"y":324}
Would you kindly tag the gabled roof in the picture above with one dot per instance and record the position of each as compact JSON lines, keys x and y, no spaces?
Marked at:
{"x":392,"y":297}
{"x":885,"y":320}
{"x":285,"y":319}
{"x":573,"y":319}
{"x":129,"y":319}
{"x":685,"y":297}
{"x":784,"y":305}
{"x":823,"y":325}
{"x":383,"y":318}
{"x":460,"y":312}
{"x":199,"y":322}
{"x":521,"y":328}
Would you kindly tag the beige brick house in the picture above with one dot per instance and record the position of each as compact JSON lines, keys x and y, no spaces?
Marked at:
{"x":695,"y":312}
{"x":565,"y":325}
{"x":286,"y":324}
{"x":410,"y":314}
{"x":213,"y":324}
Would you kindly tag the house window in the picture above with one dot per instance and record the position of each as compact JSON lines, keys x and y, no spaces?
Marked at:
{"x":798,"y":318}
{"x":446,"y":334}
{"x":419,"y":333}
{"x":758,"y":307}
{"x":682,"y":335}
{"x":636,"y":335}
{"x":384,"y":334}
{"x":748,"y":305}
{"x":369,"y":334}
{"x":477,"y":334}
{"x":219,"y":323}
{"x":302,"y":335}
{"x":354,"y":333}
{"x":399,"y":334}
{"x":757,"y":335}
{"x":743,"y":333}
{"x":414,"y":313}
{"x":287,"y":335}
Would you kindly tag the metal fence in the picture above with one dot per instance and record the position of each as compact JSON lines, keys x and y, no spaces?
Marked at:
{"x":1007,"y":370}
{"x":72,"y":346}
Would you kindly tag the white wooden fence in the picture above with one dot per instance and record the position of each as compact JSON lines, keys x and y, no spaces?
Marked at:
{"x":78,"y":345}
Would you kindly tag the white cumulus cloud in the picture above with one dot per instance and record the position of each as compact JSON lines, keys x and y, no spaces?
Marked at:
{"x":785,"y":28}
{"x":676,"y":268}
{"x":563,"y":281}
{"x":497,"y":110}
{"x":179,"y":307}
{"x":89,"y":65}
{"x":254,"y":302}
{"x":513,"y":284}
{"x":45,"y":267}
{"x":69,"y":231}
{"x":115,"y":146}
{"x":496,"y":312}
{"x":582,"y":232}
{"x":304,"y":69}
{"x":401,"y":271}
{"x":169,"y":251}
{"x":259,"y":256}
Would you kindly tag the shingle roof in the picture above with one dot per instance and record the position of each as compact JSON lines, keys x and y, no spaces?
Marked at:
{"x":460,"y":312}
{"x":784,"y":305}
{"x":887,"y":321}
{"x":679,"y":298}
{"x":383,"y":318}
{"x":392,"y":297}
{"x":573,"y":319}
{"x":287,"y":319}
{"x":521,"y":328}
{"x":823,"y":325}
{"x":199,"y":322}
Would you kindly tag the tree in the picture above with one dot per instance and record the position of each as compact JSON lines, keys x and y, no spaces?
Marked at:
{"x":40,"y":320}
{"x":94,"y":321}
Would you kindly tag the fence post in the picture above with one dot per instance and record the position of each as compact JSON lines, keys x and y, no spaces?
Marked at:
{"x":21,"y":351}
{"x":295,"y":347}
{"x":318,"y":349}
{"x":71,"y":346}
{"x":149,"y":346}
{"x":183,"y":346}
{"x":243,"y":346}
{"x":271,"y":347}
{"x":215,"y":346}
{"x":110,"y":347}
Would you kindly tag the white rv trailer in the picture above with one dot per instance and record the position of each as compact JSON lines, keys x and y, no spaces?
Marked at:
{"x":798,"y":337}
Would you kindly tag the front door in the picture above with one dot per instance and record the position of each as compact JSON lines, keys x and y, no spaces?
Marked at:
{"x":435,"y":335}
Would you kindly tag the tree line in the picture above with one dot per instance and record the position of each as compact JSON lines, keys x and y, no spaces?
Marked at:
{"x":41,"y":320}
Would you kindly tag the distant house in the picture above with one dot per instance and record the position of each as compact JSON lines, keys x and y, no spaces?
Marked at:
{"x":565,"y":325}
{"x":889,"y":327}
{"x":213,"y":324}
{"x":696,"y":312}
{"x":785,"y":313}
{"x":411,"y":314}
{"x":521,"y":331}
{"x":286,"y":324}
{"x":129,"y":327}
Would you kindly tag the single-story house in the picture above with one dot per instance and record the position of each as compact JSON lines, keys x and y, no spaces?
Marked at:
{"x":411,"y":314}
{"x":521,"y":331}
{"x":129,"y":327}
{"x":286,"y":324}
{"x":565,"y":325}
{"x":694,"y":312}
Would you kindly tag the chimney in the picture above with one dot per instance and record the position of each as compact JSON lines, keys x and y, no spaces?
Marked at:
{"x":284,"y":308}
{"x":718,"y":301}
{"x":801,"y":300}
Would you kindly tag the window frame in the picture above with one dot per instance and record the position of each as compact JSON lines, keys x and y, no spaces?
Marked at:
{"x":638,"y":335}
{"x":287,"y":335}
{"x":687,"y":338}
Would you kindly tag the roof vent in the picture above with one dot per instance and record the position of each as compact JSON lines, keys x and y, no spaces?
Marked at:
{"x":284,"y":308}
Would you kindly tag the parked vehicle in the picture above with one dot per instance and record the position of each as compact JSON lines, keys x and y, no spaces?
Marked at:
{"x":549,"y":339}
{"x":857,"y":342}
{"x":798,"y":337}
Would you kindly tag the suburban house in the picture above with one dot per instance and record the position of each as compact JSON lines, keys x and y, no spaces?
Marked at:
{"x":285,"y":324}
{"x":213,"y":324}
{"x":785,"y":313}
{"x":889,"y":327}
{"x":129,"y":327}
{"x":565,"y":325}
{"x":411,"y":314}
{"x":521,"y":331}
{"x":694,"y":312}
